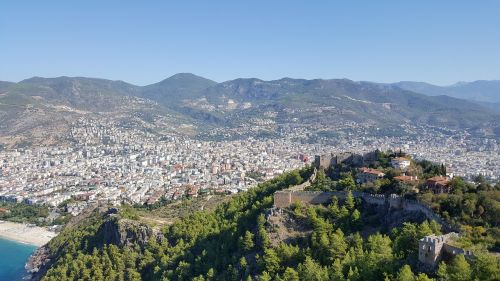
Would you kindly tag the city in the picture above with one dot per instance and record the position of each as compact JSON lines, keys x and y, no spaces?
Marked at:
{"x":115,"y":165}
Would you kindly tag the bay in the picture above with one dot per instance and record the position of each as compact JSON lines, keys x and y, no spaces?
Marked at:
{"x":13,"y":257}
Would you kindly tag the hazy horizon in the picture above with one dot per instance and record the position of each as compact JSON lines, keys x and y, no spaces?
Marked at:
{"x":284,"y":77}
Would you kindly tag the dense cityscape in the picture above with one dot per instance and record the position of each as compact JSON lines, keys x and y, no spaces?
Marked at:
{"x":111,"y":164}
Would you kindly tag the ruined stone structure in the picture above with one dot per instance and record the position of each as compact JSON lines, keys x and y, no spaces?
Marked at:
{"x":325,"y":161}
{"x":306,"y":183}
{"x":287,"y":197}
{"x":432,"y":248}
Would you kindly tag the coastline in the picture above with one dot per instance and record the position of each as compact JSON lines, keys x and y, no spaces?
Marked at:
{"x":23,"y":233}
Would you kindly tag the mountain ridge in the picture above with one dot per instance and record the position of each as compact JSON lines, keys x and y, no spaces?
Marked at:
{"x":206,"y":104}
{"x":479,"y":90}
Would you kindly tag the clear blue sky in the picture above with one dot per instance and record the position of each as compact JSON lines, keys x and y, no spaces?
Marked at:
{"x":143,"y":42}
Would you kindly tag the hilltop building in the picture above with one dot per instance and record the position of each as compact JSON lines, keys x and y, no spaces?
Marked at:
{"x":406,"y":179}
{"x":438,"y":184}
{"x":368,"y":175}
{"x":433,"y":248}
{"x":328,"y":160}
{"x":400,"y":163}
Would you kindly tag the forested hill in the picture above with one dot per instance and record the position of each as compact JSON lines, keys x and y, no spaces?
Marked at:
{"x":240,"y":241}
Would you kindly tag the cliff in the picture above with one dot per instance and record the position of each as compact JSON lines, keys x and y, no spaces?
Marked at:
{"x":93,"y":231}
{"x":121,"y":232}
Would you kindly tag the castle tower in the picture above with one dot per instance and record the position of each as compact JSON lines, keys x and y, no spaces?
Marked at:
{"x":431,"y":248}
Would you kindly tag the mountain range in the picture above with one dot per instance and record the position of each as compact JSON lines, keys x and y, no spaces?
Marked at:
{"x":485,"y":92}
{"x":43,"y":108}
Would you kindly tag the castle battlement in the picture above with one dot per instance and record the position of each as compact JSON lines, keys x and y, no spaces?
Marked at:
{"x":432,"y":248}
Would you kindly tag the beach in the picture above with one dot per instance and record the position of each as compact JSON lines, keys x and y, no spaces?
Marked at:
{"x":33,"y":235}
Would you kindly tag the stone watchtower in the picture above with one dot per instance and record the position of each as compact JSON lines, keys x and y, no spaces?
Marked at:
{"x":323,"y":162}
{"x":431,"y":248}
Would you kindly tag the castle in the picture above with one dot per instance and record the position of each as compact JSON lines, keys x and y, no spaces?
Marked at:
{"x":325,"y":161}
{"x":432,"y":249}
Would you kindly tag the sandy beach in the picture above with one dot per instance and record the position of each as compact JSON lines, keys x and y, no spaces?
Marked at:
{"x":23,"y":233}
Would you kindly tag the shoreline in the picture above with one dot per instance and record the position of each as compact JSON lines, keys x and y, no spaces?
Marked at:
{"x":23,"y":233}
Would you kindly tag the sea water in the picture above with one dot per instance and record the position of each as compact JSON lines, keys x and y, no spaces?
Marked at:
{"x":13,"y":257}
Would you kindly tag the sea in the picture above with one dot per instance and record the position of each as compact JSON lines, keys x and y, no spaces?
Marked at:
{"x":13,"y":257}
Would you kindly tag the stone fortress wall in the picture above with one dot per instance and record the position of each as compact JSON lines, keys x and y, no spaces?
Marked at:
{"x":431,"y":248}
{"x":285,"y":198}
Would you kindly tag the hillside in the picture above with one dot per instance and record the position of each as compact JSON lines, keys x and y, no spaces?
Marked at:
{"x":42,"y":110}
{"x":173,"y":90}
{"x":233,"y":107}
{"x":343,"y":99}
{"x":244,"y":240}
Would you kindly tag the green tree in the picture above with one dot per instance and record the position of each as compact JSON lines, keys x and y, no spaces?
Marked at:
{"x":349,"y":201}
{"x":347,"y":182}
{"x":423,"y":277}
{"x":405,"y":274}
{"x":310,"y":270}
{"x":356,"y":221}
{"x":294,"y":178}
{"x":459,"y":269}
{"x":486,"y":267}
{"x":442,"y":272}
{"x":265,"y":276}
{"x":246,"y":242}
{"x":337,"y":245}
{"x":290,"y":275}
{"x":271,"y":261}
{"x":334,"y":208}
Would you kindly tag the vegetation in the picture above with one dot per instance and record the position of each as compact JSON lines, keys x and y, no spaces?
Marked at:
{"x":233,"y":243}
{"x":474,"y":206}
{"x":23,"y":213}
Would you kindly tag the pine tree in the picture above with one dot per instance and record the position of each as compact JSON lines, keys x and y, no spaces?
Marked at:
{"x":290,"y":275}
{"x":265,"y":276}
{"x":311,"y":270}
{"x":460,"y":269}
{"x":486,"y":267}
{"x":405,"y":274}
{"x":349,"y":201}
{"x":442,"y":272}
{"x":271,"y":261}
{"x":423,"y":277}
{"x":246,"y":242}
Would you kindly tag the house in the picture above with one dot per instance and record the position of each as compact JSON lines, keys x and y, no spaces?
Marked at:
{"x":438,"y":184}
{"x":400,"y":163}
{"x":406,"y":179}
{"x":368,"y":175}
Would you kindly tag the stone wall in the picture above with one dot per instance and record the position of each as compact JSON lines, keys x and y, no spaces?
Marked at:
{"x":452,"y":250}
{"x":432,"y":248}
{"x":285,"y":198}
{"x":306,"y":183}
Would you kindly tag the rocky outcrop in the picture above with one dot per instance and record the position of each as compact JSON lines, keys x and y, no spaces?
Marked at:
{"x":123,"y":232}
{"x":113,"y":230}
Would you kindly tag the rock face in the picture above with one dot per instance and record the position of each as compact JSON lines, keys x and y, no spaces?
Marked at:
{"x":113,"y":230}
{"x":38,"y":259}
{"x":123,"y":232}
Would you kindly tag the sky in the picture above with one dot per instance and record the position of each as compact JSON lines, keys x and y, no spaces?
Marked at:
{"x":143,"y":42}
